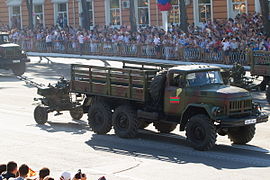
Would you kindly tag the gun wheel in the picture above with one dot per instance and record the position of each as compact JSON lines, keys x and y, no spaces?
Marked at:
{"x":76,"y":113}
{"x":18,"y":69}
{"x":41,"y":114}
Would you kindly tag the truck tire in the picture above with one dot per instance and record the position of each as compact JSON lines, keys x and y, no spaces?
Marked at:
{"x":268,"y":94}
{"x":41,"y":114}
{"x":125,"y":122}
{"x":18,"y":69}
{"x":157,"y":88}
{"x":164,"y":127}
{"x":241,"y":135}
{"x":201,"y":132}
{"x":76,"y":113}
{"x":100,"y":118}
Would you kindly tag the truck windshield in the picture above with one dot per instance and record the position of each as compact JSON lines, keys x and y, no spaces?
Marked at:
{"x":203,"y":78}
{"x":4,"y":39}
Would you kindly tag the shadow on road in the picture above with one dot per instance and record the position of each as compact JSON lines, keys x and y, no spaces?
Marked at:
{"x":49,"y":71}
{"x":70,"y":127}
{"x":8,"y":78}
{"x":176,"y":150}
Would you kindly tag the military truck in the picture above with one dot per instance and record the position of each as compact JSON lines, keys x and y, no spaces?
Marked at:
{"x":194,"y":96}
{"x":260,"y":66}
{"x":11,"y":55}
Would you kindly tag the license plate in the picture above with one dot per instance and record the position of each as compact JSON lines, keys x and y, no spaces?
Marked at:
{"x":16,"y":61}
{"x":250,"y":121}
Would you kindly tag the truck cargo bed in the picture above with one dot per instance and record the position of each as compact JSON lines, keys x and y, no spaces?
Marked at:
{"x":124,"y":83}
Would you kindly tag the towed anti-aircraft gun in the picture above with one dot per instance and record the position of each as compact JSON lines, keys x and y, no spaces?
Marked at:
{"x":56,"y":97}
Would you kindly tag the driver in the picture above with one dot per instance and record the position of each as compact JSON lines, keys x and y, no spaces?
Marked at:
{"x":201,"y":78}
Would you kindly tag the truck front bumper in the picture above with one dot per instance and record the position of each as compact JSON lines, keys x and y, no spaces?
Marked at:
{"x":236,"y":122}
{"x":14,"y":61}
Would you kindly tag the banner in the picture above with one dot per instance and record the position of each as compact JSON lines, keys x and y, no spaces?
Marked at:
{"x":164,"y":5}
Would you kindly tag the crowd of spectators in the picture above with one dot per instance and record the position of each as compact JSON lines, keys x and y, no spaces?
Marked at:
{"x":242,"y":32}
{"x":11,"y":171}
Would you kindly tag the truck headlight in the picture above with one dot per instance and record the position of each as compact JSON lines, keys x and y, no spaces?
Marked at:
{"x":256,"y":107}
{"x":216,"y":111}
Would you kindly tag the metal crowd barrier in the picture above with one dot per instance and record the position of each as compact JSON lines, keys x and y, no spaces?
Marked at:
{"x":143,"y":50}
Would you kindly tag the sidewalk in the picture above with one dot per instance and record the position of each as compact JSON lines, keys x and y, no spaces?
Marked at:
{"x":128,"y":59}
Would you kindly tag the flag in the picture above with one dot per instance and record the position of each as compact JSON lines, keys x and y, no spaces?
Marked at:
{"x":174,"y":100}
{"x":164,"y":5}
{"x":31,"y":173}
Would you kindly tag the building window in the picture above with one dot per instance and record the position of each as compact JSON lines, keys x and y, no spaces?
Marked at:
{"x":15,"y":16}
{"x":205,"y":12}
{"x":239,"y":6}
{"x":143,"y":12}
{"x":115,"y":12}
{"x":174,"y":15}
{"x":269,"y":8}
{"x":38,"y":14}
{"x":61,"y":14}
{"x":90,"y":10}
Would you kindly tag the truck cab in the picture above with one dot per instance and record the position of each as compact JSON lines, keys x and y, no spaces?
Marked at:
{"x":11,"y":55}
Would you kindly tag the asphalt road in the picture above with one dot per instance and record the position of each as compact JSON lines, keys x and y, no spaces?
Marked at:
{"x":63,"y":144}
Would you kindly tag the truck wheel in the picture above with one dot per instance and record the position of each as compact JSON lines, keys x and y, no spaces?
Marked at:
{"x":125,"y":122}
{"x":157,"y":88}
{"x":41,"y":114}
{"x":143,"y":124}
{"x":241,"y":135}
{"x":100,"y":118}
{"x":76,"y":113}
{"x":268,"y":94}
{"x":18,"y":69}
{"x":201,"y":132}
{"x":164,"y":127}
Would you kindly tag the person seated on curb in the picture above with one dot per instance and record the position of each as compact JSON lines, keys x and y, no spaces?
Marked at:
{"x":3,"y":168}
{"x":23,"y":172}
{"x":48,"y":178}
{"x":65,"y":176}
{"x":44,"y":172}
{"x":11,"y":170}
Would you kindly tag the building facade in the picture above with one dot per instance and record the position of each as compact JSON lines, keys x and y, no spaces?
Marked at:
{"x":116,"y":12}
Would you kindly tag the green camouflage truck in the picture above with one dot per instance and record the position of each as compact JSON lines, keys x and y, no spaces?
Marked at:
{"x":11,"y":55}
{"x":194,"y":96}
{"x":260,"y":66}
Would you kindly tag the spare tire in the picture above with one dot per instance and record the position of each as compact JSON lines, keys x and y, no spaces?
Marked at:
{"x":157,"y":88}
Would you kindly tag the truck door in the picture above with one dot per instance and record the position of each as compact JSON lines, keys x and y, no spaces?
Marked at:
{"x":174,"y":93}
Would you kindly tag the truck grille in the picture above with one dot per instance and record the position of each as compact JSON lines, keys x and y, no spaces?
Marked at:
{"x":12,"y":53}
{"x":240,"y":107}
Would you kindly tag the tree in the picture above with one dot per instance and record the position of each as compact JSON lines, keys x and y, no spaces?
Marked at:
{"x":29,"y":4}
{"x":132,"y":17}
{"x":85,"y":15}
{"x":265,"y":16}
{"x":183,"y":16}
